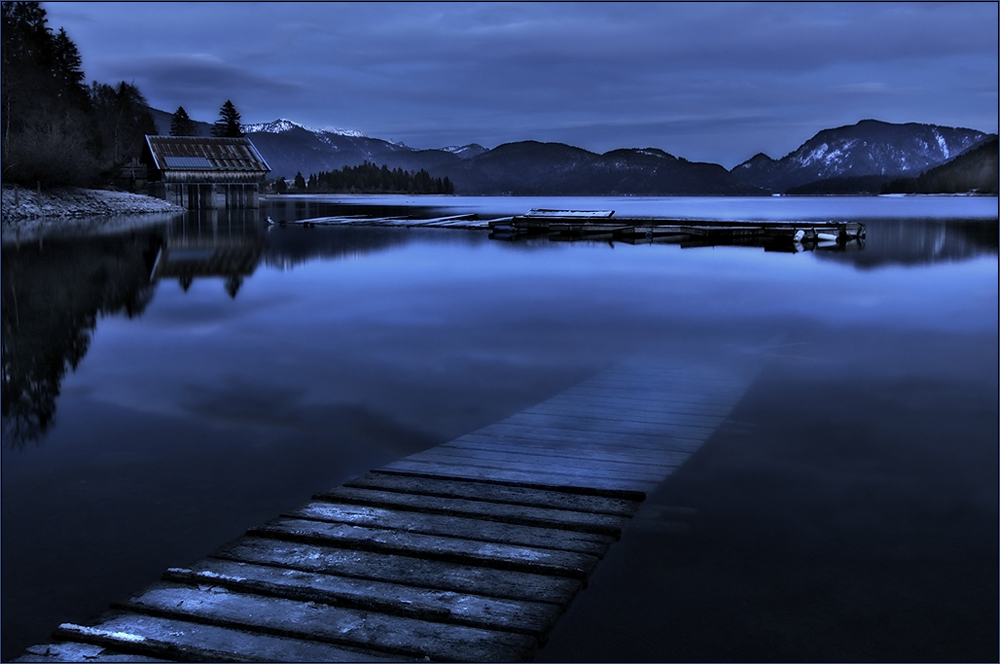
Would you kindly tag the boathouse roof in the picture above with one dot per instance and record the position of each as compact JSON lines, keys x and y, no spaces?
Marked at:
{"x":205,"y":158}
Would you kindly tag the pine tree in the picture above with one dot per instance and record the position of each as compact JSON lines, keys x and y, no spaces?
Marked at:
{"x":228,"y":124}
{"x":121,"y":120}
{"x":67,"y":70}
{"x":181,"y":124}
{"x":300,"y":182}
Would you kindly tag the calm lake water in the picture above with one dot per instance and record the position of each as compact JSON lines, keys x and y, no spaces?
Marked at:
{"x":847,"y":509}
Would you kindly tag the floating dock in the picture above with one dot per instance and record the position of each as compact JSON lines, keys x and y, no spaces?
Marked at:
{"x":602,"y":225}
{"x":468,"y":551}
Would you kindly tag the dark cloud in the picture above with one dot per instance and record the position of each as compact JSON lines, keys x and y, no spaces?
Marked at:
{"x":704,"y":80}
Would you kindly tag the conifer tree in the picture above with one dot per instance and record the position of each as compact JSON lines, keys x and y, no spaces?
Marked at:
{"x":181,"y":124}
{"x":228,"y":124}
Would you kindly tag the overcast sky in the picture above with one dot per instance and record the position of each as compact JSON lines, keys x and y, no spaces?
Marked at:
{"x":704,"y":81}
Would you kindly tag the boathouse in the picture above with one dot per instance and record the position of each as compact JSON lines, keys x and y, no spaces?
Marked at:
{"x":199,"y":172}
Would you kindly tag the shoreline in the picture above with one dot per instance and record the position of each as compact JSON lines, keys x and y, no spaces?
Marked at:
{"x":25,"y":215}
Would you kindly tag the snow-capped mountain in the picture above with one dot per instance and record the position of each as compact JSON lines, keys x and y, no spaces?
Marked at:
{"x":282,"y":125}
{"x":868,"y":148}
{"x":291,"y":148}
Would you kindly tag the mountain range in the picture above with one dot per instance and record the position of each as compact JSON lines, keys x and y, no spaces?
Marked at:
{"x":859,"y":158}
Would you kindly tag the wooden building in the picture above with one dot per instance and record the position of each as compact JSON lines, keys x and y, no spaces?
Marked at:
{"x":200,"y":172}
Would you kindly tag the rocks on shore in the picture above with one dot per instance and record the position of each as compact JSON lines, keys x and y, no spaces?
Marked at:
{"x":20,"y":204}
{"x":26,"y":214}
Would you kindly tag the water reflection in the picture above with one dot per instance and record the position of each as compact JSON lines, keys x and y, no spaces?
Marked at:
{"x":294,"y":245}
{"x":922,"y":242}
{"x":55,"y":291}
{"x":53,"y":294}
{"x":212,"y":243}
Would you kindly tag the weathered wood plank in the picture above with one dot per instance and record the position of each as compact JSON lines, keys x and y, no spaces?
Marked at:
{"x":555,"y":466}
{"x":517,"y":514}
{"x":652,"y":441}
{"x":186,"y":641}
{"x":541,"y":426}
{"x":594,"y":452}
{"x":394,"y":568}
{"x":634,"y":434}
{"x":519,"y":477}
{"x":649,"y":400}
{"x":454,"y":526}
{"x":366,"y":629}
{"x":620,"y":463}
{"x":496,"y":493}
{"x":491,"y":554}
{"x":444,"y":606}
{"x":671,"y":450}
{"x":65,"y":651}
{"x":625,"y":417}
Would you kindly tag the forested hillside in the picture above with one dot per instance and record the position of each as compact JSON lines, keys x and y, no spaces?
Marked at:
{"x":972,"y":172}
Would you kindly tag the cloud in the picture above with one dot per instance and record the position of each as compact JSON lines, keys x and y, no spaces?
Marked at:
{"x":431,"y":74}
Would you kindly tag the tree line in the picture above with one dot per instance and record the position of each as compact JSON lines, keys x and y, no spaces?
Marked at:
{"x":57,"y":130}
{"x":368,"y":178}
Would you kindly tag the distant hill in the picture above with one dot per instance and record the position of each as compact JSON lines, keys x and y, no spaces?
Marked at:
{"x":534,"y":168}
{"x":973,"y":171}
{"x":868,"y":148}
{"x":290,"y":148}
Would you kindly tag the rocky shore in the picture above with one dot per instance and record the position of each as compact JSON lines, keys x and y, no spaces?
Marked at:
{"x":25,"y":213}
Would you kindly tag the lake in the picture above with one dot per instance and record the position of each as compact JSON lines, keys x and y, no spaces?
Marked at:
{"x":846,"y":510}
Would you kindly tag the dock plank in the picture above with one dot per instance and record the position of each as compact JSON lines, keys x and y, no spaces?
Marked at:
{"x":70,"y":651}
{"x":449,"y":488}
{"x":180,"y":640}
{"x":620,"y":463}
{"x":405,"y":570}
{"x":534,"y":618}
{"x":535,"y":478}
{"x":490,"y":554}
{"x":524,"y":515}
{"x":454,"y":526}
{"x":331,"y":624}
{"x":557,"y":465}
{"x":667,"y":460}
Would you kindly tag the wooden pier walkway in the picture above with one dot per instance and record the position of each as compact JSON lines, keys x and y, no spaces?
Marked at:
{"x":468,"y":551}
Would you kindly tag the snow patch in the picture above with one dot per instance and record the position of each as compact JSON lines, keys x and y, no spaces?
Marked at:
{"x":943,"y":144}
{"x":93,"y":631}
{"x":457,"y":149}
{"x":353,"y":133}
{"x":279,"y":126}
{"x":815,"y":155}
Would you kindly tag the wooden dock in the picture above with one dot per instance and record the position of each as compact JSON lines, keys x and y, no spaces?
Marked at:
{"x":575,"y":225}
{"x":468,"y":551}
